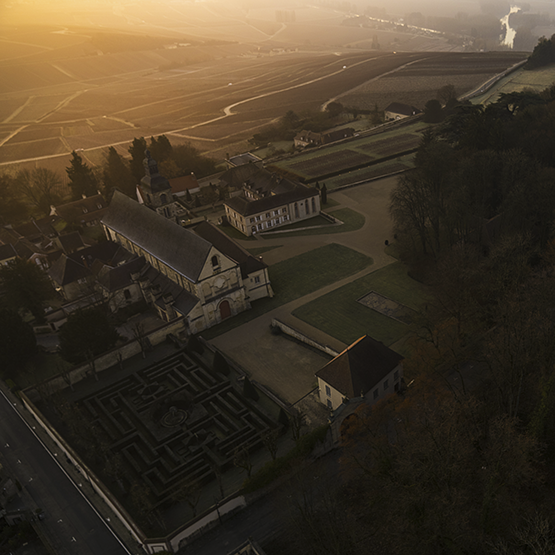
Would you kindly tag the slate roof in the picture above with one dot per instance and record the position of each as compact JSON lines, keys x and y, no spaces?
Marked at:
{"x":235,"y":177}
{"x":107,"y":251}
{"x":247,"y":263}
{"x":84,"y":263}
{"x":65,"y":271}
{"x":83,"y":210}
{"x":360,"y":367}
{"x":184,"y":301}
{"x":170,"y":243}
{"x":114,"y":279}
{"x":36,"y":229}
{"x":307,"y":136}
{"x":24,"y":248}
{"x":245,"y":207}
{"x":265,"y":183}
{"x":7,"y":252}
{"x":71,"y":242}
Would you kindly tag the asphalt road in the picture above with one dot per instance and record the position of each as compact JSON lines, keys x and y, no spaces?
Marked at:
{"x":71,"y":524}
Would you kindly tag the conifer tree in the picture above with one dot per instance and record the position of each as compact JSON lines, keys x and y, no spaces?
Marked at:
{"x":137,"y":151}
{"x":82,"y":180}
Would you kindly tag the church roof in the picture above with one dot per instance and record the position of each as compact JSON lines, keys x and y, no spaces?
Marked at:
{"x":177,"y":247}
{"x":247,"y":262}
{"x":360,"y":367}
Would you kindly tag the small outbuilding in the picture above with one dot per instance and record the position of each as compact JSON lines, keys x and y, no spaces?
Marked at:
{"x":398,"y":110}
{"x":366,"y":369}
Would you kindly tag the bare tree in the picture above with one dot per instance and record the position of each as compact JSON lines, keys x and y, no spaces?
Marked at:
{"x":138,"y":330}
{"x":242,"y":459}
{"x":218,"y":475}
{"x":40,"y":187}
{"x":66,"y":374}
{"x":189,"y":491}
{"x":298,"y":420}
{"x":270,"y":441}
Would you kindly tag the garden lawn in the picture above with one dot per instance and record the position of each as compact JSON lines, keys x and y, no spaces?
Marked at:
{"x":340,"y":315}
{"x":299,"y":276}
{"x":235,"y":234}
{"x":352,"y":221}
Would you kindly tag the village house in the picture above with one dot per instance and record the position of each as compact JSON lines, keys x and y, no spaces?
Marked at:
{"x":74,"y":274}
{"x":85,"y":212}
{"x":269,"y":201}
{"x":398,"y":110}
{"x":367,"y":370}
{"x":310,"y":138}
{"x":204,"y":281}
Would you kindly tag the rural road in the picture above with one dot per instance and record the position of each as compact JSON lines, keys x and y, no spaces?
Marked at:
{"x":71,"y":524}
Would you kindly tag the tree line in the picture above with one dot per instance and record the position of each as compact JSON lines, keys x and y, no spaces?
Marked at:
{"x":33,"y":192}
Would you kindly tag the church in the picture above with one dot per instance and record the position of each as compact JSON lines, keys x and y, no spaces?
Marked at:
{"x":199,"y":274}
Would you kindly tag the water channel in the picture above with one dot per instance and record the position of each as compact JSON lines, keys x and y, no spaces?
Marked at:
{"x":510,"y":33}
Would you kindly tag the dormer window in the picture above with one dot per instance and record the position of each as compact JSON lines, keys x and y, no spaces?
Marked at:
{"x":215,"y":263}
{"x":84,"y":210}
{"x":99,"y":206}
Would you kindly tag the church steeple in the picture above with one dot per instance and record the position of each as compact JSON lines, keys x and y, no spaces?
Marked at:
{"x":152,"y":180}
{"x":156,"y":190}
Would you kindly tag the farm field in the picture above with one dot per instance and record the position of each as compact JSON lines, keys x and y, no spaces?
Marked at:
{"x":418,"y":82}
{"x":519,"y":80}
{"x":210,"y":75}
{"x":325,"y":162}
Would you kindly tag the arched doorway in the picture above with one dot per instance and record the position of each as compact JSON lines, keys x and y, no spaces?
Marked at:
{"x":225,"y":310}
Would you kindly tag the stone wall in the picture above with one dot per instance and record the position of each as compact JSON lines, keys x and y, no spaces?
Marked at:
{"x":292,"y":332}
{"x":110,"y":358}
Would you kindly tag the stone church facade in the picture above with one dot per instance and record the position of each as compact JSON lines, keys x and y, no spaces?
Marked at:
{"x":204,"y":281}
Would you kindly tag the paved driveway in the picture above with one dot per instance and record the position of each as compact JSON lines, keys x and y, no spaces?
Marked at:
{"x":283,"y":365}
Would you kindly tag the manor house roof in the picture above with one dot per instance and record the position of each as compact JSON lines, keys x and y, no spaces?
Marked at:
{"x":247,"y":207}
{"x":359,"y":367}
{"x":175,"y":246}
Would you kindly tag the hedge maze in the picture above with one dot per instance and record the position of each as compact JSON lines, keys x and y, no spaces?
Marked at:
{"x":176,"y":420}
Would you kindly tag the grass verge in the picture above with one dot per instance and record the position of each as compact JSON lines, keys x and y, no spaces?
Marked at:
{"x":298,"y":276}
{"x":340,"y":315}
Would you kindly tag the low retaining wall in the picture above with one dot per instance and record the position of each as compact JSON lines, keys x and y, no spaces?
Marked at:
{"x":109,"y":359}
{"x":288,"y":330}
